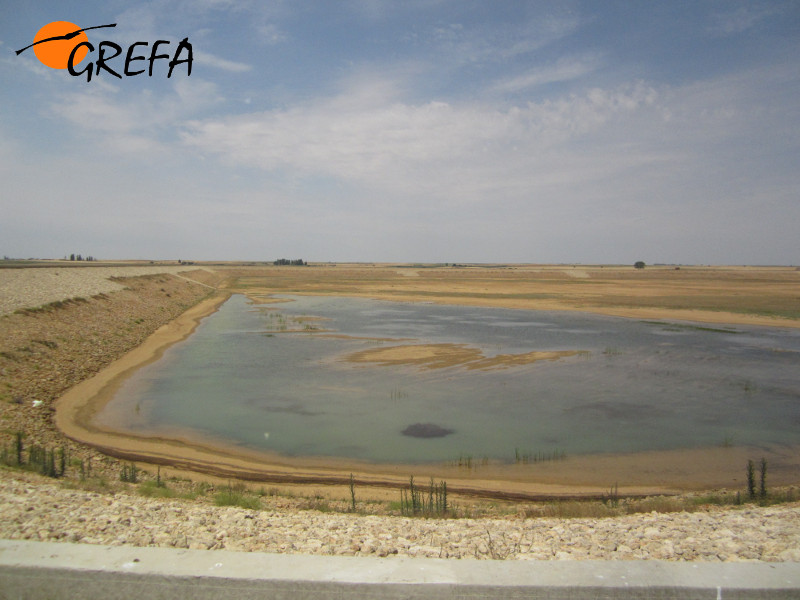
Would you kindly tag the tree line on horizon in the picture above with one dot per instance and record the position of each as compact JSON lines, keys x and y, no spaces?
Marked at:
{"x":78,"y":257}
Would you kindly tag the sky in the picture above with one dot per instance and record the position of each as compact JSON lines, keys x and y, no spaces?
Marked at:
{"x":417,"y":131}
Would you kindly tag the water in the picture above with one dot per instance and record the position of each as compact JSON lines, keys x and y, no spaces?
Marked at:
{"x":640,"y":386}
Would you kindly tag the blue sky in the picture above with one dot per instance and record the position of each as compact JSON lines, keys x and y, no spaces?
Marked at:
{"x":426,"y":130}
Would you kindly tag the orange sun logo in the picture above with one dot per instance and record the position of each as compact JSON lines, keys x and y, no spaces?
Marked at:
{"x":54,"y":43}
{"x":60,"y":42}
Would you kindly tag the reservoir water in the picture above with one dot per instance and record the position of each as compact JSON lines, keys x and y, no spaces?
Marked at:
{"x":268,"y":377}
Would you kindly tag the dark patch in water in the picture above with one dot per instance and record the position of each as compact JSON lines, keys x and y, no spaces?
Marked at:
{"x":279,"y":406}
{"x":426,"y":430}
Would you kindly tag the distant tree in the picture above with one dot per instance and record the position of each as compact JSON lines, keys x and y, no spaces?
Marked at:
{"x":79,"y":257}
{"x":639,"y":264}
{"x":72,"y":256}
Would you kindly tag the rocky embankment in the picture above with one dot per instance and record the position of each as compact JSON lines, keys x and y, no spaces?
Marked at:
{"x":34,"y":509}
{"x":27,"y":288}
{"x":47,"y":348}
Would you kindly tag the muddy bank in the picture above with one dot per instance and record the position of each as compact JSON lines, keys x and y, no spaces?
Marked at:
{"x":45,"y":350}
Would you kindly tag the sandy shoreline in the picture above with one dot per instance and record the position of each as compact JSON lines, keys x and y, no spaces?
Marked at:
{"x":648,"y":473}
{"x":655,"y":314}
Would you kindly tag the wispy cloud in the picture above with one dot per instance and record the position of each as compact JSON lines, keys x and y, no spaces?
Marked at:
{"x":428,"y":147}
{"x":131,"y":123}
{"x":565,"y":69}
{"x":209,"y":60}
{"x":271,"y":34}
{"x":460,"y":43}
{"x":737,"y":20}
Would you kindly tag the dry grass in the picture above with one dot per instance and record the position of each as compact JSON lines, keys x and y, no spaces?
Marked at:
{"x":769,"y":295}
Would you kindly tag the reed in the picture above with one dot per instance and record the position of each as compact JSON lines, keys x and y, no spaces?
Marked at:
{"x":416,"y":501}
{"x":47,"y":461}
{"x":129,"y":474}
{"x":612,"y":499}
{"x":18,"y":447}
{"x":397,"y":394}
{"x":525,"y":458}
{"x":751,"y":480}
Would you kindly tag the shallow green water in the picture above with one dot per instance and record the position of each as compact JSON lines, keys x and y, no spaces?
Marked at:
{"x":642,"y":385}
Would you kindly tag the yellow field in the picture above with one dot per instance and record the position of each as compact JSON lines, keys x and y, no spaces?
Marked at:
{"x":754,"y":295}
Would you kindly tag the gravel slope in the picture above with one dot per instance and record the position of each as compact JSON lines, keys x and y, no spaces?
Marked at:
{"x":35,"y":510}
{"x":26,"y":288}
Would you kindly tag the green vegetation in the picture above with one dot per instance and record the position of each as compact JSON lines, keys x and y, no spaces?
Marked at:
{"x":47,"y":461}
{"x":612,"y":499}
{"x":237,"y":495}
{"x":417,"y":501}
{"x":129,"y":474}
{"x":428,"y":501}
{"x":152,"y":489}
{"x":317,"y":502}
{"x":751,"y":480}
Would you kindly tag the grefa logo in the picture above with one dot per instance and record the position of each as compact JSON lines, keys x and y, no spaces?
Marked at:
{"x":63,"y":45}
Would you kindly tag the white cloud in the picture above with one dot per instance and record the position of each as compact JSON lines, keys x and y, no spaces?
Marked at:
{"x":134,"y":122}
{"x":566,"y":69}
{"x":206,"y":59}
{"x":271,"y":34}
{"x":361,"y":136}
{"x":459,"y":44}
{"x":607,"y":168}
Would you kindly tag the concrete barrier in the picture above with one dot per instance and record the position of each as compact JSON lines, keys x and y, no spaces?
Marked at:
{"x":77,"y":571}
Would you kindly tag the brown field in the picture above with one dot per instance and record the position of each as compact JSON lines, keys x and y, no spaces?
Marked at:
{"x":752,"y":295}
{"x":745,"y":295}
